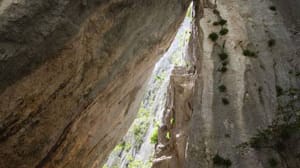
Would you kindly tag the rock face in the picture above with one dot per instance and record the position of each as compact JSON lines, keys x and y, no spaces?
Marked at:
{"x":72,"y":74}
{"x":173,"y":133}
{"x":238,"y":93}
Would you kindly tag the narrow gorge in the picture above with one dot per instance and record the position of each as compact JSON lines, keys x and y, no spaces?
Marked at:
{"x":149,"y":84}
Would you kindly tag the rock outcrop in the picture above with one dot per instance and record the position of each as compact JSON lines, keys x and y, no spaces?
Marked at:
{"x":72,"y":74}
{"x":173,"y":133}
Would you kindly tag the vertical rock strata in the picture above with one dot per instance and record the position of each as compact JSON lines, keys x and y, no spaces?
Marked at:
{"x":72,"y":73}
{"x":239,"y":76}
{"x":173,"y":133}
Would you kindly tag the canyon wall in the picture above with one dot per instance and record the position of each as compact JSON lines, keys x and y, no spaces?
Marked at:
{"x":241,"y":77}
{"x":72,"y":77}
{"x":72,"y":74}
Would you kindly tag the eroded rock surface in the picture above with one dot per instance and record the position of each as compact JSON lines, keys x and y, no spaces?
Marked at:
{"x":72,"y":73}
{"x":173,"y":133}
{"x":237,"y":94}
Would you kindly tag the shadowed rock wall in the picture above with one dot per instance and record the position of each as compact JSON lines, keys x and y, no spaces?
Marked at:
{"x":72,"y":73}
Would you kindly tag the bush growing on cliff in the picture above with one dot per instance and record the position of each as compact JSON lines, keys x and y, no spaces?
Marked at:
{"x":225,"y":101}
{"x":285,"y":127}
{"x":216,"y":12}
{"x":168,"y":135}
{"x":220,"y":161}
{"x":223,"y":69}
{"x":222,"y":88}
{"x":271,"y":42}
{"x":213,"y":36}
{"x":154,"y":136}
{"x":272,"y":8}
{"x":249,"y":53}
{"x":223,"y":31}
{"x":279,"y":90}
{"x":273,"y":162}
{"x":223,"y":56}
{"x":222,"y":22}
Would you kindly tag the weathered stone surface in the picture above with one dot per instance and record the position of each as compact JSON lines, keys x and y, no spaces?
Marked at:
{"x":222,"y":120}
{"x":72,"y":73}
{"x":173,"y":133}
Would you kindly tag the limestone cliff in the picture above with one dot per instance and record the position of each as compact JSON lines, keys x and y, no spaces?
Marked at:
{"x":72,"y":74}
{"x":173,"y":132}
{"x":246,"y":57}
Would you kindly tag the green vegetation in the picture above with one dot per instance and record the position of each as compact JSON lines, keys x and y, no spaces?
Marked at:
{"x":227,"y":135}
{"x":160,"y":77}
{"x":223,"y":56}
{"x":172,"y":120}
{"x":224,"y":63}
{"x":216,"y":23}
{"x":154,"y":136}
{"x":220,"y":161}
{"x":273,"y":162}
{"x":216,"y":12}
{"x":284,"y":127}
{"x":223,"y":69}
{"x":225,"y":101}
{"x":213,"y":36}
{"x":222,"y":88}
{"x":140,"y":126}
{"x":168,"y":135}
{"x":279,"y":90}
{"x":272,"y":8}
{"x":223,"y":31}
{"x":249,"y":53}
{"x":222,"y":22}
{"x":271,"y":42}
{"x":139,"y":164}
{"x":260,"y":89}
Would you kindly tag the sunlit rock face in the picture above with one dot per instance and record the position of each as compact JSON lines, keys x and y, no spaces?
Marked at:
{"x":239,"y":93}
{"x":72,"y":74}
{"x":173,"y":132}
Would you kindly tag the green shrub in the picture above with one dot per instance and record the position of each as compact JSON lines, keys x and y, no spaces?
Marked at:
{"x":222,"y":88}
{"x":224,"y":63}
{"x":220,"y":161}
{"x":216,"y":12}
{"x":223,"y":69}
{"x":172,"y":120}
{"x":213,"y":36}
{"x":272,"y":8}
{"x":222,"y":22}
{"x":225,"y":101}
{"x":154,"y":136}
{"x":227,"y":135}
{"x":216,"y":23}
{"x":273,"y":162}
{"x":249,"y":53}
{"x":223,"y":31}
{"x":168,"y":135}
{"x":279,"y":90}
{"x":271,"y":42}
{"x":223,"y":56}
